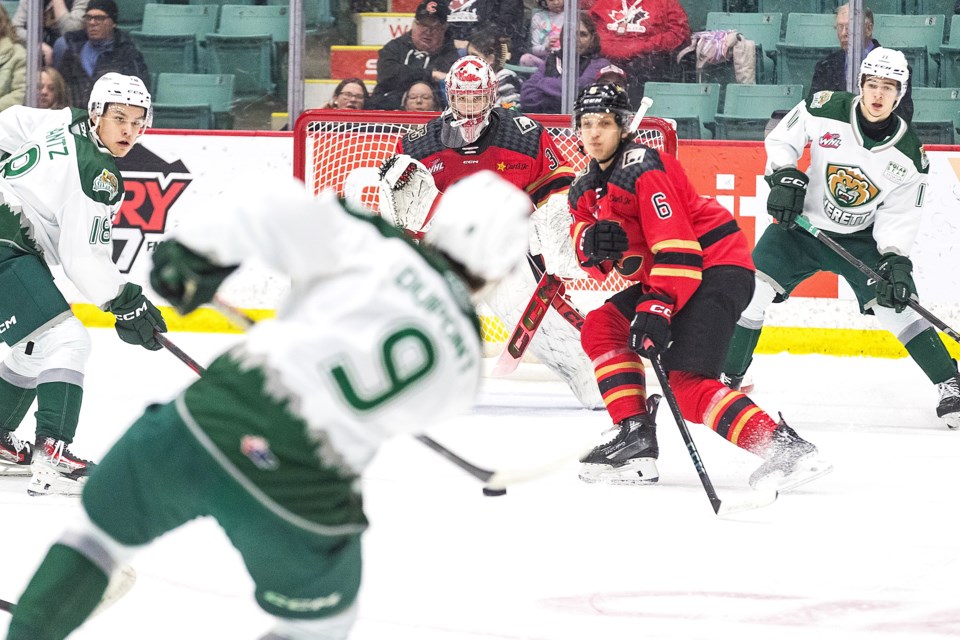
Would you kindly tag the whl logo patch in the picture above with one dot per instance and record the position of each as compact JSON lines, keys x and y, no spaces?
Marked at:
{"x":849,"y":186}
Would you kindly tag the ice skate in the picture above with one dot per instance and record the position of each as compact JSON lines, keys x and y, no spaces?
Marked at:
{"x":949,"y":406}
{"x":631,"y":456}
{"x":742,"y":383}
{"x":15,"y":455}
{"x":56,"y":471}
{"x":789,"y":462}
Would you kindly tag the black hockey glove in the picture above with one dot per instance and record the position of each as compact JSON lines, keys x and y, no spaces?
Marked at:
{"x":650,"y":329}
{"x":137,"y":318}
{"x":185,"y":278}
{"x":788,"y":186}
{"x":604,"y":240}
{"x":895,"y":288}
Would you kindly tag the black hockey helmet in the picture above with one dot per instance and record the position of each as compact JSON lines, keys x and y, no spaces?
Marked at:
{"x":603,"y":98}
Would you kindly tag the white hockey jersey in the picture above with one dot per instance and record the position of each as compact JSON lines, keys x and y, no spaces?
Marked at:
{"x":854,"y":181}
{"x":69,"y":191}
{"x":373,"y":339}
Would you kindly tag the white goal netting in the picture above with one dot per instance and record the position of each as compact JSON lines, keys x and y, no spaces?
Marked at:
{"x":343,"y":150}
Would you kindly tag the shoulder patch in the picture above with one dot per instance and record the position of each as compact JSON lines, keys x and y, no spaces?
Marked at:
{"x":632,"y":156}
{"x":108,"y":183}
{"x":820,"y":98}
{"x":525,"y":124}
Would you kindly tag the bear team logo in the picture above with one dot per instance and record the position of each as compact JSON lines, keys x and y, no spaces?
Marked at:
{"x":849,"y":186}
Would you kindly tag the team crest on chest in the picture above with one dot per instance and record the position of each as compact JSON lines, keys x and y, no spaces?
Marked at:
{"x":525,"y":124}
{"x":108,"y":182}
{"x":633,"y":156}
{"x":849,"y":186}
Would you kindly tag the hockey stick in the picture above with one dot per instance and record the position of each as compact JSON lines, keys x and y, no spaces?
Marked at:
{"x":804,"y":223}
{"x":543,"y":296}
{"x":177,"y":351}
{"x":721,"y":508}
{"x":120,"y":584}
{"x":645,"y":104}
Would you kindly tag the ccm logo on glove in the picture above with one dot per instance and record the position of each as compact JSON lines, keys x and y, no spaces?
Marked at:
{"x":133,"y":315}
{"x":660,"y":309}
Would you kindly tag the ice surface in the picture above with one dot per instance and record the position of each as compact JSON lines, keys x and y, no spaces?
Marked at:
{"x":870,"y":551}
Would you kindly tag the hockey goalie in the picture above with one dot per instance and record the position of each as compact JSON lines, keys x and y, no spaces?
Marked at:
{"x":472,"y":135}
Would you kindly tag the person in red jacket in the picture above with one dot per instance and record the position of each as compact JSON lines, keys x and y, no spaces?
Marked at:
{"x":642,"y":36}
{"x":636,"y":211}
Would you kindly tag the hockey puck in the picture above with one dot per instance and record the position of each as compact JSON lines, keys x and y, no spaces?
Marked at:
{"x":487,"y":491}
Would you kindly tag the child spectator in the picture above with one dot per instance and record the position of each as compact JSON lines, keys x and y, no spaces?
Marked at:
{"x":495,"y":51}
{"x":545,"y":26}
{"x":541,"y":92}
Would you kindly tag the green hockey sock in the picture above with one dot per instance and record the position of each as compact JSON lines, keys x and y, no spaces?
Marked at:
{"x":61,"y":595}
{"x":740,"y":352}
{"x":928,"y":351}
{"x":14,"y":403}
{"x":58,"y":410}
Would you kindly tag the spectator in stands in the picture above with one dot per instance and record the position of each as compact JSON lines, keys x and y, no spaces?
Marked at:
{"x":59,"y":17}
{"x":545,"y":25}
{"x":541,"y":92}
{"x":13,"y":64}
{"x":349,"y":94}
{"x":642,"y":37}
{"x":421,"y":96}
{"x":830,"y":74}
{"x":612,"y":74}
{"x":83,"y":56}
{"x":505,"y":17}
{"x":424,"y":53}
{"x":495,"y":51}
{"x":52,"y":91}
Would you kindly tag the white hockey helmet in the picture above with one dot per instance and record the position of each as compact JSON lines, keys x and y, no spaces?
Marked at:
{"x":471,"y":93}
{"x":118,"y":88}
{"x":885,"y":63}
{"x":482,"y":222}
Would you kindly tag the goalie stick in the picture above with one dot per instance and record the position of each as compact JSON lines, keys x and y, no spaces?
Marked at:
{"x":858,"y":264}
{"x":721,"y":508}
{"x":549,"y":292}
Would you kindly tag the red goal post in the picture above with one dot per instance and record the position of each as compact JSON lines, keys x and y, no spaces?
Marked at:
{"x":342,"y":149}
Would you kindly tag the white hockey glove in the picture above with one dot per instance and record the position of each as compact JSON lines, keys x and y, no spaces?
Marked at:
{"x":407,"y":193}
{"x":550,"y":238}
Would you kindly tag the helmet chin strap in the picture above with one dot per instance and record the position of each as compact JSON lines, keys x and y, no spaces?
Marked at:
{"x":96,"y":136}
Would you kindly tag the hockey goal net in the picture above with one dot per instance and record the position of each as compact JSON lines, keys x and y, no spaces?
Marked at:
{"x":343,"y":150}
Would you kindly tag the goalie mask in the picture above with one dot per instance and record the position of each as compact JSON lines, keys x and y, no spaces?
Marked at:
{"x":116,"y":88}
{"x":886,"y":63}
{"x":482,"y":223}
{"x":471,"y":93}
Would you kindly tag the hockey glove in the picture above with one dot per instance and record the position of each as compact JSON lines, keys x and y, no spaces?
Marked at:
{"x":895,"y":288}
{"x":604,"y":240}
{"x":650,"y":329}
{"x":185,"y":278}
{"x":137,"y":318}
{"x":788,"y":186}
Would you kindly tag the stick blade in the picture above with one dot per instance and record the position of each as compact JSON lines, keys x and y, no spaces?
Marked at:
{"x":754,"y":500}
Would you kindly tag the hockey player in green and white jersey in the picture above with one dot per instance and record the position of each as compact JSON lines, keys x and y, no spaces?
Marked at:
{"x":60,"y":190}
{"x":377,"y":337}
{"x":866,"y":184}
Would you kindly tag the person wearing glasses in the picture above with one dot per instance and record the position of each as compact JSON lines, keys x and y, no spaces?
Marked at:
{"x":421,"y":97}
{"x":60,"y":190}
{"x":423,"y":53}
{"x":830,"y":74}
{"x":100,"y":47}
{"x":351,"y":93}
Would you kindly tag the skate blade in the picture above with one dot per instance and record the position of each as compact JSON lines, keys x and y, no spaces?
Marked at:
{"x":54,"y":486}
{"x":780,"y":483}
{"x":14,"y":471}
{"x":636,"y":472}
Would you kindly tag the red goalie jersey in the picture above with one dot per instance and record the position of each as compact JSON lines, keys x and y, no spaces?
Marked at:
{"x":513,"y":145}
{"x":674,"y":233}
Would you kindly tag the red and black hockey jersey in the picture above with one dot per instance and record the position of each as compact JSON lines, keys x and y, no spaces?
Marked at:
{"x":513,"y":145}
{"x":674,"y":233}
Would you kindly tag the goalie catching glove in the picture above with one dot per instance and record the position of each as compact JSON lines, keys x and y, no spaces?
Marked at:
{"x":895,"y":288}
{"x":602,"y":241}
{"x":650,"y":329}
{"x":185,"y":278}
{"x":788,"y":188}
{"x":137,"y":317}
{"x":407,"y":193}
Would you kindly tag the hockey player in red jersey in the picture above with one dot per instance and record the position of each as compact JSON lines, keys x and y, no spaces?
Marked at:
{"x":635,"y":211}
{"x":472,"y":135}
